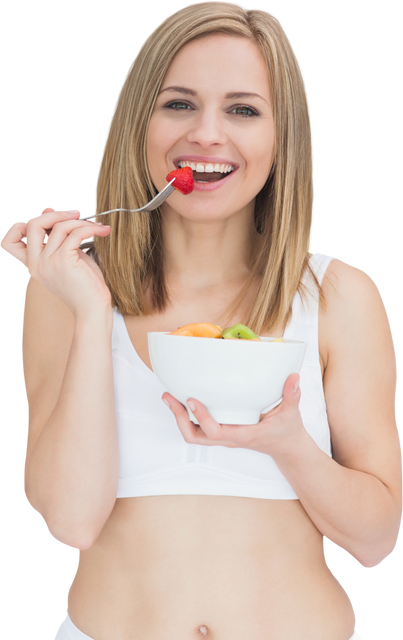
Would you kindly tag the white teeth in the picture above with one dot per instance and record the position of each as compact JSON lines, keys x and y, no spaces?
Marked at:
{"x":206,"y":167}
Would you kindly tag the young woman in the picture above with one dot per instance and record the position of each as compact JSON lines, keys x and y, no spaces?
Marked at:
{"x":211,"y":531}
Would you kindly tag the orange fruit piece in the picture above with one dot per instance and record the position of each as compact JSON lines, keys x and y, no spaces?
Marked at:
{"x":181,"y":332}
{"x":199,"y":330}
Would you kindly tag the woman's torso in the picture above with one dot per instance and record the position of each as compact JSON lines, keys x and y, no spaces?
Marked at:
{"x":182,"y":567}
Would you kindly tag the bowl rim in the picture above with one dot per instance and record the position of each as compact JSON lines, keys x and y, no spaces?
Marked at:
{"x":264,"y":339}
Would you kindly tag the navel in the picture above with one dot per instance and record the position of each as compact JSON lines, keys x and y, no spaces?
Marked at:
{"x":202,"y":631}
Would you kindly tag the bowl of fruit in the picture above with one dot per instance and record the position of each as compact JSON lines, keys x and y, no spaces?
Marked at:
{"x":233,"y":372}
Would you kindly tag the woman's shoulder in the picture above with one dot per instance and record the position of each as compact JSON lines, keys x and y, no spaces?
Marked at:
{"x":353,"y":298}
{"x":343,"y":283}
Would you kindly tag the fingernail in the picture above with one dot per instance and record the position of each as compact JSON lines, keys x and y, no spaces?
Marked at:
{"x":191,"y":405}
{"x":97,"y":223}
{"x":167,"y":403}
{"x":73,"y":211}
{"x":296,"y":385}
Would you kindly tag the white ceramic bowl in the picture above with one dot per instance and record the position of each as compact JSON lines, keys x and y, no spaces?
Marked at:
{"x":234,"y":379}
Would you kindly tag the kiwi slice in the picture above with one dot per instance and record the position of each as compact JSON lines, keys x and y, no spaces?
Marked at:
{"x":239,"y":332}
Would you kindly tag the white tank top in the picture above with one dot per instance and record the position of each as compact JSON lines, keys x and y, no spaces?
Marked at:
{"x":155,"y":459}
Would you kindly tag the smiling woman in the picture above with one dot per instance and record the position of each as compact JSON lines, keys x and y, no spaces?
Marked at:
{"x":208,"y":530}
{"x":248,"y":84}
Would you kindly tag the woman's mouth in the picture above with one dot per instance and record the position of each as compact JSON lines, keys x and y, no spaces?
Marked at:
{"x":200,"y":176}
{"x":201,"y":185}
{"x":206,"y":181}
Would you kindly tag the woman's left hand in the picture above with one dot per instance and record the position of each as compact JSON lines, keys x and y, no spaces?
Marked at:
{"x":278,"y":431}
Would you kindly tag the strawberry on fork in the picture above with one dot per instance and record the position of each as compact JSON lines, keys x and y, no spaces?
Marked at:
{"x":183,"y":180}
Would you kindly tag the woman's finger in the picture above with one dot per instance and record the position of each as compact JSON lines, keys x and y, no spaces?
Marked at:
{"x":53,"y":227}
{"x":12,"y":242}
{"x":191,"y":433}
{"x":226,"y":434}
{"x":67,"y":237}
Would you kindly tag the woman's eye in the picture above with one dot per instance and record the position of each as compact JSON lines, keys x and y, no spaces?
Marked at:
{"x":249,"y":115}
{"x":178,"y":106}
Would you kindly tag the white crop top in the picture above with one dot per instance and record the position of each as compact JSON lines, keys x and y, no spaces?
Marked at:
{"x":155,"y":459}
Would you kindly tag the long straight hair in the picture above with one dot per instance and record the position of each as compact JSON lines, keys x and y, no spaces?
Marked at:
{"x":132,"y":257}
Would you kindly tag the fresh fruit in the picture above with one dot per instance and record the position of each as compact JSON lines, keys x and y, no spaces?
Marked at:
{"x":208,"y":330}
{"x":277,"y":340}
{"x":183,"y":180}
{"x":181,"y":332}
{"x":199,"y":330}
{"x":239,"y":332}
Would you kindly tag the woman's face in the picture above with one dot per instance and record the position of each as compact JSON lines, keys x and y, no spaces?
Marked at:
{"x":214,"y":111}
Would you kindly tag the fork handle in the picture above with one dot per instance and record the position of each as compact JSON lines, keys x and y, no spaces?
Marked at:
{"x":150,"y":206}
{"x":105,"y":212}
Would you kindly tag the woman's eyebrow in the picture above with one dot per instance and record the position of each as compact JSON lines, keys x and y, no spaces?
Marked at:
{"x":228,"y":96}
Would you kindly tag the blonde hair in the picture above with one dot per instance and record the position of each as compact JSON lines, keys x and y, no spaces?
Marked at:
{"x":131,"y":258}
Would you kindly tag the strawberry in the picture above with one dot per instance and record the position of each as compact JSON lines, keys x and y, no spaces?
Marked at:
{"x":183,"y":180}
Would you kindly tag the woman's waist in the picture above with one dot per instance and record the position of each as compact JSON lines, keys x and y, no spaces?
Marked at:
{"x":191,"y":566}
{"x":253,"y":598}
{"x":201,"y":530}
{"x":211,"y":558}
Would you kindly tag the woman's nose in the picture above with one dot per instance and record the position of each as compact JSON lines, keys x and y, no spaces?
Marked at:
{"x":207,"y":129}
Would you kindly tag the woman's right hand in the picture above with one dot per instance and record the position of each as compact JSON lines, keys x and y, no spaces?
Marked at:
{"x":59,"y":264}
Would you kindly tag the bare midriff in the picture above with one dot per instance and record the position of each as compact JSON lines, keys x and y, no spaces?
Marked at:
{"x":188,"y":567}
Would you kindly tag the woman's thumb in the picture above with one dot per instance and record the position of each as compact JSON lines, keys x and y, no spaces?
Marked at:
{"x":294,"y":385}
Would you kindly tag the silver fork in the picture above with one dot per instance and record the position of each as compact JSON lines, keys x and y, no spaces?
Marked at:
{"x":150,"y":206}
